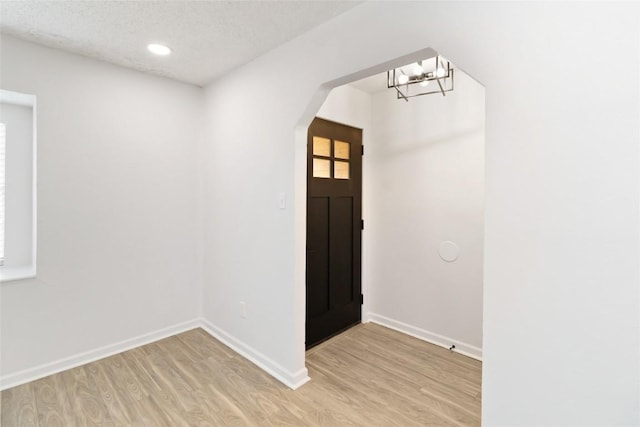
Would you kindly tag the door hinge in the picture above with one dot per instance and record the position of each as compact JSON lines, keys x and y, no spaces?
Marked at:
{"x":361,"y":299}
{"x":362,"y":224}
{"x":362,"y":146}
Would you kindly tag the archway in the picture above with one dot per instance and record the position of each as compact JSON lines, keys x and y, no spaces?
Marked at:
{"x":300,"y":194}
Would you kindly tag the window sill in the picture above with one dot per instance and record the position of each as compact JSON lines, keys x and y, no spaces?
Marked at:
{"x":9,"y":274}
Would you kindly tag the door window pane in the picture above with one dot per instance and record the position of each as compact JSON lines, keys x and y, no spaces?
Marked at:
{"x":341,"y":149}
{"x":321,"y":168}
{"x":341,"y":170}
{"x":321,"y":146}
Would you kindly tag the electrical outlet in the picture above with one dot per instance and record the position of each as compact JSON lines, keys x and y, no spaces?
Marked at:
{"x":243,"y":310}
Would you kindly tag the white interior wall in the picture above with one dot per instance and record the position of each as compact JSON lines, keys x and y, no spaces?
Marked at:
{"x":428,"y":179}
{"x":117,"y":211}
{"x":248,"y":248}
{"x":561,"y":307}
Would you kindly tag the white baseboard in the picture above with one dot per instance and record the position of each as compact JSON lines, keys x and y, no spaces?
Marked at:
{"x":431,"y":337}
{"x":44,"y":370}
{"x":292,"y":380}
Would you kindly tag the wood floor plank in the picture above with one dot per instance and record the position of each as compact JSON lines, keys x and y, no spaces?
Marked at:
{"x":201,"y":343}
{"x":430,"y":378}
{"x":84,"y":397}
{"x":455,"y":407}
{"x":19,"y":407}
{"x":367,"y":376}
{"x":111,"y":395}
{"x":413,"y":348}
{"x":53,"y":405}
{"x":412,"y":344}
{"x":385,"y":390}
{"x":123,"y":378}
{"x":331,"y":391}
{"x":166,"y":374}
{"x":154,"y":393}
{"x":153,"y":412}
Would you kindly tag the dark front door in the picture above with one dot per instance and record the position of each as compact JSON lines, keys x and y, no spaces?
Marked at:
{"x":334,"y":217}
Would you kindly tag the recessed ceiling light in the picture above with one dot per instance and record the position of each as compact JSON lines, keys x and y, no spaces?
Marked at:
{"x":158,"y":49}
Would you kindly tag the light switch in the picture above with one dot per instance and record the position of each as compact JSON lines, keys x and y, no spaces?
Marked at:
{"x":282,"y":203}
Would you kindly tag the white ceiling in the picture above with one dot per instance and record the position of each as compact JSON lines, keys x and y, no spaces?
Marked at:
{"x":208,"y":38}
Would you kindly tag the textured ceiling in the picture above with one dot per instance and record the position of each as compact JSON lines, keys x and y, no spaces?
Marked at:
{"x":208,"y":38}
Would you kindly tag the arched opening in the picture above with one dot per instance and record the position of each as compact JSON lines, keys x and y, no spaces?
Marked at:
{"x":429,"y":153}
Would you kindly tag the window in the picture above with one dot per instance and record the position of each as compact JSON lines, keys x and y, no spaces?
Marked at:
{"x":17,"y":186}
{"x":2,"y":151}
{"x":330,"y":158}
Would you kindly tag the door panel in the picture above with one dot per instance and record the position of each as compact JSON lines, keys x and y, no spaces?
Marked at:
{"x":341,"y":251}
{"x":334,"y":212}
{"x":318,"y":256}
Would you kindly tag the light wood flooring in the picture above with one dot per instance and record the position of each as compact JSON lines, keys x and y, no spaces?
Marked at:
{"x":367,"y":376}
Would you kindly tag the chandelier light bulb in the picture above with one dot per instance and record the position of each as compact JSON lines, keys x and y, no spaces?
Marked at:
{"x":424,"y":83}
{"x":417,"y":70}
{"x":403,"y":79}
{"x":440,"y":72}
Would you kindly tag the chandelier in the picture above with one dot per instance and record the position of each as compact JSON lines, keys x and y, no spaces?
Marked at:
{"x":433,"y":75}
